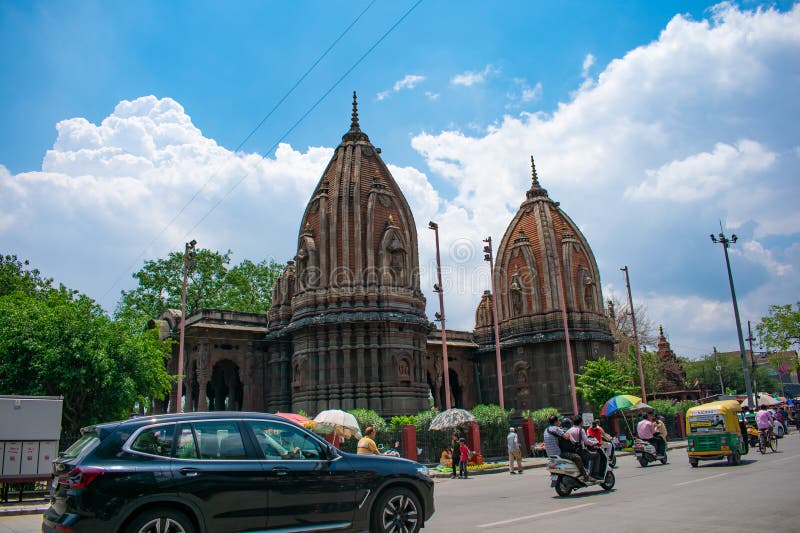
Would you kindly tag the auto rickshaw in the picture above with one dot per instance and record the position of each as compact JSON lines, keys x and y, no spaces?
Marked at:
{"x":713,"y":432}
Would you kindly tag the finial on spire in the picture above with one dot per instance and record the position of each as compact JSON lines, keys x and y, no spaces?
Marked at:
{"x":660,"y":331}
{"x":534,"y":176}
{"x":354,"y":123}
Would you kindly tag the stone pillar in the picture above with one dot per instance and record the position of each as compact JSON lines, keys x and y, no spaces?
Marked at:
{"x":203,"y":375}
{"x":408,"y":442}
{"x":529,"y":434}
{"x":682,"y":425}
{"x":474,"y":437}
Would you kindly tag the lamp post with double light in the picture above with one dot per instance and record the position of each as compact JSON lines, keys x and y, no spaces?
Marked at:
{"x":189,"y":255}
{"x":437,"y":288}
{"x":726,"y":242}
{"x":488,"y":255}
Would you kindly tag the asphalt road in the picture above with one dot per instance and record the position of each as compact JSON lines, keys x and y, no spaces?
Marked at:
{"x":762,"y":493}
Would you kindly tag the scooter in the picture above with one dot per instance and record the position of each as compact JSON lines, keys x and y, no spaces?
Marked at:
{"x":611,"y":454}
{"x":565,"y":476}
{"x":646,"y":453}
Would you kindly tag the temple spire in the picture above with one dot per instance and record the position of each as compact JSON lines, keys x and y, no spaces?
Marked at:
{"x":354,"y":134}
{"x":354,"y":126}
{"x":534,"y":176}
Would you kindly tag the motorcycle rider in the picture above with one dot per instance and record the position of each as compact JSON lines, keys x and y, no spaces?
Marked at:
{"x":646,"y":430}
{"x":579,"y":437}
{"x":600,"y":435}
{"x":552,"y":435}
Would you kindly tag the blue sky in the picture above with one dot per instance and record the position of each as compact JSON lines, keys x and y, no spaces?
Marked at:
{"x":650,"y":121}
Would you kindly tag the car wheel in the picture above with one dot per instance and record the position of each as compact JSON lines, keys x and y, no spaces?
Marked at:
{"x":608,"y":482}
{"x":561,"y":487}
{"x":161,"y":520}
{"x":397,"y":511}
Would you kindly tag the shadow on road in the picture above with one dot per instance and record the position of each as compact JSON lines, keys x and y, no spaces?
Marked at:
{"x":584,"y":494}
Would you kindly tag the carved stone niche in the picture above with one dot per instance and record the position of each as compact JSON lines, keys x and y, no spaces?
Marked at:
{"x":298,"y":372}
{"x":405,"y":369}
{"x":521,"y":374}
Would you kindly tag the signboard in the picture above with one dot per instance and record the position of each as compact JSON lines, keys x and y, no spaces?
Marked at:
{"x":48,"y":451}
{"x":30,"y":458}
{"x":706,"y":423}
{"x":588,"y":418}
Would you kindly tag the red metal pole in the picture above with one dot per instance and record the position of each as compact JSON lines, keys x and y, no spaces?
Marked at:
{"x":445,"y":366}
{"x":566,"y":334}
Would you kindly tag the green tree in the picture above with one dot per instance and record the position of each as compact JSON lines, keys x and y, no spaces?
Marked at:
{"x":780,"y":329}
{"x":601,"y":380}
{"x":704,"y":370}
{"x":651,"y":368}
{"x":246,"y":287}
{"x":57,"y":342}
{"x":368,"y":417}
{"x":492,"y":415}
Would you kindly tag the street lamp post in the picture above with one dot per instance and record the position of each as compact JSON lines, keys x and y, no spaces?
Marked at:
{"x":440,"y":317}
{"x":726,"y":242}
{"x":635,"y":334}
{"x":188,"y":263}
{"x":489,"y":256}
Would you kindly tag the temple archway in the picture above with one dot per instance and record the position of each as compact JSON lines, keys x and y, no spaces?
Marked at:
{"x":225,"y":390}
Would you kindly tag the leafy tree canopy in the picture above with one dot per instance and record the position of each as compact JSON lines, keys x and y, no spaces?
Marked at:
{"x":651,"y":368}
{"x":492,"y":415}
{"x":732,"y":375}
{"x":780,"y":329}
{"x":212,"y":283}
{"x":57,"y":342}
{"x":602,"y":380}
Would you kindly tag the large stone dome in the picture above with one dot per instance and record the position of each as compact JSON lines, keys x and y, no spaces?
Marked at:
{"x":541,"y":246}
{"x":357,"y":324}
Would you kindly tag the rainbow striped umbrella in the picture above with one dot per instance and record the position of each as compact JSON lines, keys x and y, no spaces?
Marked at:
{"x":619,"y":403}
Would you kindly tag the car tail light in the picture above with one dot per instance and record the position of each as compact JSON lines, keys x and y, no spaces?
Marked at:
{"x":80,"y":477}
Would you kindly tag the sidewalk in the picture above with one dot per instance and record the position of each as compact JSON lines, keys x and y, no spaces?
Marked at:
{"x":15,"y":508}
{"x":540,"y":462}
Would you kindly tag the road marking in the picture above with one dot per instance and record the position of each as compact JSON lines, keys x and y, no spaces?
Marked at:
{"x":698,"y":480}
{"x":786,"y":458}
{"x":512,"y":520}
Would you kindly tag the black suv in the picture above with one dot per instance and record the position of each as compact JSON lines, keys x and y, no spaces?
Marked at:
{"x":217,"y":472}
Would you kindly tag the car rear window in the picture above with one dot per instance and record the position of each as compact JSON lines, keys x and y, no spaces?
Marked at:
{"x":155,"y":441}
{"x":82,"y":446}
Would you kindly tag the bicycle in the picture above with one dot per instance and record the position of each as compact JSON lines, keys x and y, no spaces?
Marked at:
{"x":767,"y":439}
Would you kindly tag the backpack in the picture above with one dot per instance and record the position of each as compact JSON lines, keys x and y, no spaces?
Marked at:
{"x":564,"y":443}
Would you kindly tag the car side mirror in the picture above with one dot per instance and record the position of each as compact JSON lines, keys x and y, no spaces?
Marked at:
{"x":331,"y":452}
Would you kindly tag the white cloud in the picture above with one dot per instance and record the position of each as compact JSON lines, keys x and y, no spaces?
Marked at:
{"x":470,"y":78}
{"x":410,"y":81}
{"x":588,"y":61}
{"x":432,"y":95}
{"x":703,"y":175}
{"x":669,"y":138}
{"x":755,"y":251}
{"x":105,"y":191}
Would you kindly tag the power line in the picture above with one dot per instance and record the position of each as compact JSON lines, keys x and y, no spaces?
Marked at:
{"x":239,"y":146}
{"x":308,"y":112}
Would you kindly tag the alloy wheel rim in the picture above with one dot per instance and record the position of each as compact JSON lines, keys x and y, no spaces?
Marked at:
{"x":162,"y":525}
{"x":400,"y":515}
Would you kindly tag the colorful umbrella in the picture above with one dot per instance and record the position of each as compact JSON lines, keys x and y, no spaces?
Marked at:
{"x":298,"y":419}
{"x":619,"y":403}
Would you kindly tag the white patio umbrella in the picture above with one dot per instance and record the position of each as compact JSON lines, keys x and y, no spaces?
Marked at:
{"x":763,"y":399}
{"x":338,"y":422}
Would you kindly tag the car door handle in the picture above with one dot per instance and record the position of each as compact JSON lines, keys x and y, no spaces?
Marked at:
{"x":189,"y":472}
{"x":278,"y":471}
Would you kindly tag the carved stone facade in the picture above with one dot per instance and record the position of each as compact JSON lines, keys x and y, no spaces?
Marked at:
{"x":347,"y":328}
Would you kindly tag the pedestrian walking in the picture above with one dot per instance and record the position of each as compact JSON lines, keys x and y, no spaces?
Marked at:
{"x":514,"y":452}
{"x":455,"y":444}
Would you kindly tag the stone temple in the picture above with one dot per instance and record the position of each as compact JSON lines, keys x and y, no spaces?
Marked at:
{"x":347,"y":328}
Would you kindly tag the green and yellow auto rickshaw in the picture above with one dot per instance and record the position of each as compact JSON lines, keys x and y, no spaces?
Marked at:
{"x":714,"y":432}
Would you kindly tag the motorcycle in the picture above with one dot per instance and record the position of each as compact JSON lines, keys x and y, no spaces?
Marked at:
{"x":646,"y":453}
{"x":565,"y":476}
